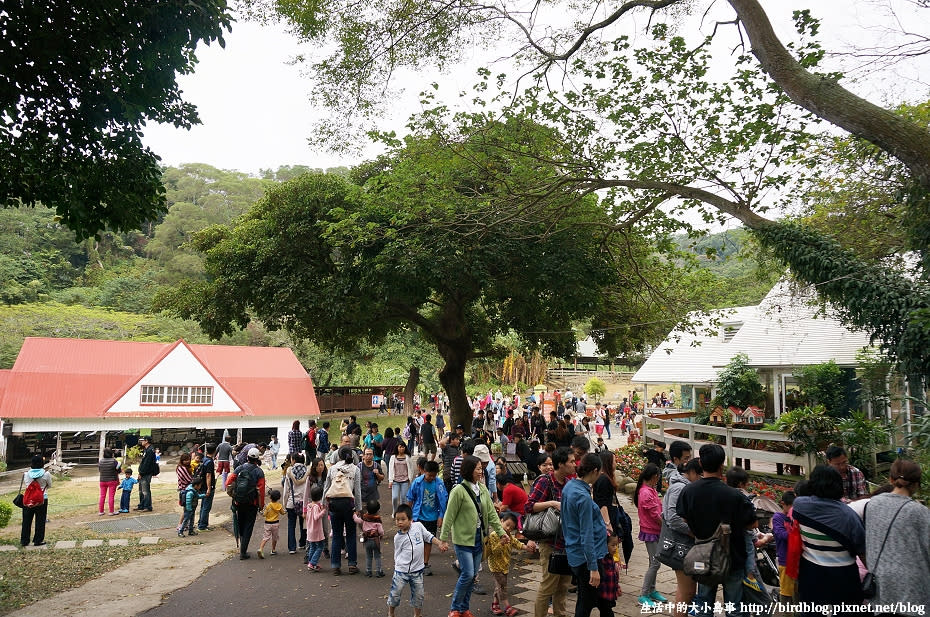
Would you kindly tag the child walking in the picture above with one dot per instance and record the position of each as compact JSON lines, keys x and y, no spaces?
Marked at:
{"x":780,"y":522}
{"x":499,"y":552}
{"x":649,"y":506}
{"x":409,"y":542}
{"x":190,"y":496}
{"x":126,"y":486}
{"x":313,"y":523}
{"x":609,"y":588}
{"x":270,"y":531}
{"x":372,"y":533}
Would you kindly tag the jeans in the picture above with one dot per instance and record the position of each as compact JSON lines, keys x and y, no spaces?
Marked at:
{"x":649,"y":578}
{"x":40,"y":514}
{"x":295,"y":519}
{"x":314,"y":550}
{"x":187,"y":521}
{"x":108,"y":494}
{"x":751,"y":567}
{"x":372,"y":554}
{"x":398,"y":494}
{"x":206,"y":504}
{"x":469,"y":558}
{"x":415,"y":580}
{"x":274,"y":461}
{"x":340,"y":514}
{"x":732,"y":592}
{"x":125,"y":501}
{"x":588,"y":598}
{"x":145,"y":492}
{"x":607,"y":428}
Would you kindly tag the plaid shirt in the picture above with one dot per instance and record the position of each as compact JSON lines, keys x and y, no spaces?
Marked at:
{"x":609,"y":589}
{"x":293,"y":441}
{"x":546,"y":488}
{"x":854,"y":485}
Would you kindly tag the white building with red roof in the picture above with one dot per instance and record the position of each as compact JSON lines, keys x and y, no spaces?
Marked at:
{"x":80,"y":389}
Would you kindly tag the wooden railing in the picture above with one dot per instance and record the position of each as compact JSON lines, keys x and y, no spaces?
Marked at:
{"x":784,"y":458}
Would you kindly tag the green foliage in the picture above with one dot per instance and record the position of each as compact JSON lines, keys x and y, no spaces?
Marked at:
{"x":872,"y":372}
{"x":595,"y":387}
{"x":824,"y":384}
{"x":73,"y":105}
{"x":738,"y":384}
{"x":811,"y":428}
{"x":863,"y":437}
{"x":894,"y":308}
{"x":134,"y":454}
{"x":6,"y":513}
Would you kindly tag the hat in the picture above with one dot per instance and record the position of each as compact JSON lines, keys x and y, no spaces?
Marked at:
{"x":482,"y":452}
{"x":145,"y":438}
{"x":254,"y":453}
{"x":459,"y":426}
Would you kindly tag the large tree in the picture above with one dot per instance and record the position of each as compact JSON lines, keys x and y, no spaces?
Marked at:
{"x":655,"y":124}
{"x":427,"y":237}
{"x":78,"y":83}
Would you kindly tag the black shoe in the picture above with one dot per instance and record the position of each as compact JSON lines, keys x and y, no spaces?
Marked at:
{"x":192,"y":533}
{"x":368,"y":573}
{"x":479,"y":590}
{"x":245,"y":556}
{"x":40,"y":543}
{"x":148,"y":509}
{"x":380,"y":574}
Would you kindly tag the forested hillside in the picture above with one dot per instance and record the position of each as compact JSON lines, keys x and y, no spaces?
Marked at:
{"x":51,"y":285}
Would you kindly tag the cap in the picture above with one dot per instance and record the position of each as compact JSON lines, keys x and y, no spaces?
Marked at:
{"x":459,"y":426}
{"x":482,"y":452}
{"x":254,"y":453}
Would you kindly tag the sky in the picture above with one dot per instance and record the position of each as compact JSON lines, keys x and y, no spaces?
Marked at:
{"x":256,"y":112}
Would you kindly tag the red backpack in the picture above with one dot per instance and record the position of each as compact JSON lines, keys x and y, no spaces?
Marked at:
{"x":795,"y":548}
{"x":34,"y":495}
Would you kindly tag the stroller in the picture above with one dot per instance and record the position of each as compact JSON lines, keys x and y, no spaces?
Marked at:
{"x":766,"y":560}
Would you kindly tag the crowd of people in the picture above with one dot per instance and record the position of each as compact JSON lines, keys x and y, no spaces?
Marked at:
{"x":448,"y":493}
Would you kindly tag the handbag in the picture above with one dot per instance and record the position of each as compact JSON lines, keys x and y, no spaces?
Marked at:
{"x":869,"y":584}
{"x":543,"y":525}
{"x":558,"y":564}
{"x":673,"y":546}
{"x":18,"y":500}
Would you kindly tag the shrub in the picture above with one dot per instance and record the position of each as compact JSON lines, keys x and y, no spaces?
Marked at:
{"x":6,"y":513}
{"x":134,"y":454}
{"x":596,"y":388}
{"x":739,"y":384}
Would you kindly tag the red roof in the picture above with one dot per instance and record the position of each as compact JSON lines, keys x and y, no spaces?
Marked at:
{"x":69,"y":378}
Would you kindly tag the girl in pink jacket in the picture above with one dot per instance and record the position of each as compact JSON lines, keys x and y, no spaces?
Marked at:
{"x":313,"y":523}
{"x":649,"y":507}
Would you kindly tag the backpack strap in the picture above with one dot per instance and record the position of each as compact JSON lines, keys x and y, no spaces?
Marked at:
{"x":477,"y":503}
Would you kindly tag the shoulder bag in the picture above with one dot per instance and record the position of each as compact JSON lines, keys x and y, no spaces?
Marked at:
{"x":673,"y":546}
{"x":18,"y":500}
{"x":708,"y":561}
{"x":869,"y":584}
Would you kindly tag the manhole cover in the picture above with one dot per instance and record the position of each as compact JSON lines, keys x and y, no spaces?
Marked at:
{"x":121,"y":524}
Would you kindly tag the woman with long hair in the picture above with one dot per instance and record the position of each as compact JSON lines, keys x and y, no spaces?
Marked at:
{"x":294,"y":438}
{"x":649,"y":506}
{"x":563,"y":438}
{"x":184,"y":471}
{"x":389,"y":446}
{"x":316,"y":476}
{"x":399,"y":476}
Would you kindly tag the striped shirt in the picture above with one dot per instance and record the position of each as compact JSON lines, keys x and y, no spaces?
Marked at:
{"x":821,"y":549}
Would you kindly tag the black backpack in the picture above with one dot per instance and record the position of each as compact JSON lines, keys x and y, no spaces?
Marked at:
{"x":245,"y":491}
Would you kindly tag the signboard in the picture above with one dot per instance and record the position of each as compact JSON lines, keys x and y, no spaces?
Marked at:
{"x":376,"y":400}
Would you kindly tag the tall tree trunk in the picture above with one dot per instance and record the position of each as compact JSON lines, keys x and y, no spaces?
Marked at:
{"x":413,"y":380}
{"x":452,"y":378}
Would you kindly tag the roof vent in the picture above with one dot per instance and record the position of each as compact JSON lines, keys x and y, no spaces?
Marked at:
{"x":730,"y":330}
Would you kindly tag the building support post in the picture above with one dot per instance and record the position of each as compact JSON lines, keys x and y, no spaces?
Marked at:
{"x":103,"y":444}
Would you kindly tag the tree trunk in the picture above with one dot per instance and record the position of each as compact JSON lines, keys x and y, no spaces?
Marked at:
{"x":413,"y":380}
{"x":452,"y":378}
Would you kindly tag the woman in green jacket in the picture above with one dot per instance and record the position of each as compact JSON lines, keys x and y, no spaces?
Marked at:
{"x":470,"y":516}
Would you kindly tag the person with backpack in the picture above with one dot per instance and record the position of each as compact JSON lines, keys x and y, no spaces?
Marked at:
{"x":35,"y":501}
{"x":187,"y":499}
{"x":147,"y":469}
{"x":309,"y":444}
{"x":704,"y":505}
{"x":322,"y":440}
{"x":371,"y":476}
{"x":343,"y":493}
{"x":246,"y":486}
{"x":207,"y":471}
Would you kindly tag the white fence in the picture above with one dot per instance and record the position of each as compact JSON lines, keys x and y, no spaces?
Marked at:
{"x":784,"y":458}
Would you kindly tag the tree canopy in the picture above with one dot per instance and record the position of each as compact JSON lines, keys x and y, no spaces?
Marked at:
{"x":657,"y":127}
{"x":78,"y":82}
{"x":429,"y":236}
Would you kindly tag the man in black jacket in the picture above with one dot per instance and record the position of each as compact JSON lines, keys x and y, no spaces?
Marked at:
{"x":147,"y":468}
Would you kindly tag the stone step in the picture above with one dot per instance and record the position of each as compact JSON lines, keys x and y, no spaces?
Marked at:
{"x":73,"y":544}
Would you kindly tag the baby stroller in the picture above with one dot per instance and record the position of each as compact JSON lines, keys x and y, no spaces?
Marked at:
{"x":766,"y":559}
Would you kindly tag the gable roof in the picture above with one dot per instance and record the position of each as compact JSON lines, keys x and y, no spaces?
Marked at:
{"x":67,"y":378}
{"x":784,"y":330}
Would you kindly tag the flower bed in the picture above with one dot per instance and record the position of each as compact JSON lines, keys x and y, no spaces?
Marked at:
{"x":772,"y":490}
{"x":630,"y":461}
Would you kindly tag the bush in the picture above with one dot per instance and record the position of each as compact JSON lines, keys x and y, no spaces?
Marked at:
{"x":2,"y":466}
{"x":596,"y":388}
{"x":134,"y":454}
{"x":6,"y":513}
{"x":739,"y":384}
{"x":811,"y":428}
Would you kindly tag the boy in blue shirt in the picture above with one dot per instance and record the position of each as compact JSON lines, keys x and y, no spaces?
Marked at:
{"x":126,"y":486}
{"x":428,"y":498}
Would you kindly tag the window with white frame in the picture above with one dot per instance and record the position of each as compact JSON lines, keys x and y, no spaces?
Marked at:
{"x":201,"y":395}
{"x":153,"y":394}
{"x":176,"y":395}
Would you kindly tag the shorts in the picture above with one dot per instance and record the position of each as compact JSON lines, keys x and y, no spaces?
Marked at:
{"x":429,"y":448}
{"x":222,"y":466}
{"x":786,"y":584}
{"x":430,"y":526}
{"x":270,"y":532}
{"x":415,"y":580}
